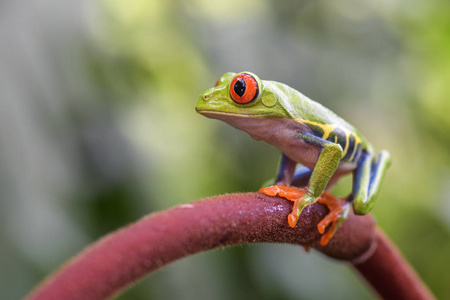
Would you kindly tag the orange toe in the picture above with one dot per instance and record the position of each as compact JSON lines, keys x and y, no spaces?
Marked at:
{"x":336,"y":206}
{"x":290,"y":193}
{"x":270,"y":190}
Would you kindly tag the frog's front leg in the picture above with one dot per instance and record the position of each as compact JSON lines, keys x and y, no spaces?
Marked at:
{"x":367,"y":179}
{"x":327,"y":163}
{"x":328,"y":160}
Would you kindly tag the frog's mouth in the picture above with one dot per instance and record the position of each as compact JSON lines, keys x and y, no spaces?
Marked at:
{"x":230,"y":114}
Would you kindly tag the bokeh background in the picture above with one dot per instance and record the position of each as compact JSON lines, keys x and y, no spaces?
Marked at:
{"x":98,"y":128}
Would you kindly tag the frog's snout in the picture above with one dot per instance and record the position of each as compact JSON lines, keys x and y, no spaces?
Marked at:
{"x":211,"y":100}
{"x":203,"y":100}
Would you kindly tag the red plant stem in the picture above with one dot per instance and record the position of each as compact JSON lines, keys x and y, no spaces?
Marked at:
{"x":126,"y":255}
{"x":389,"y":274}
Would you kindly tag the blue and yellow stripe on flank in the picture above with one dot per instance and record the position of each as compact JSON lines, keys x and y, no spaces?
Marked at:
{"x":350,"y":142}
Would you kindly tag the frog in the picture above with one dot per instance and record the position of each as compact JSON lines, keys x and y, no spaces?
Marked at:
{"x":317,"y":146}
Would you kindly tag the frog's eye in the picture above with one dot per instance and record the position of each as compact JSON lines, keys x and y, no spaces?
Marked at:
{"x":244,"y":88}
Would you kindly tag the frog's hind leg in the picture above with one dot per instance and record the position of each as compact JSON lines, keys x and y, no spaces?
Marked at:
{"x":367,"y":179}
{"x":301,"y":176}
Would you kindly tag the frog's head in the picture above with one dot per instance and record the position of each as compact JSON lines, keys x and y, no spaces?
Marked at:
{"x":240,"y":100}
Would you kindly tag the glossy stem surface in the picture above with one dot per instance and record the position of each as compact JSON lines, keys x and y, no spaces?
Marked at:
{"x":128,"y":254}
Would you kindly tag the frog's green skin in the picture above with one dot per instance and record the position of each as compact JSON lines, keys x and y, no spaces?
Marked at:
{"x":307,"y":133}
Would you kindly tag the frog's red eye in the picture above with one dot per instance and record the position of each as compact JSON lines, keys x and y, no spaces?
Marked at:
{"x":244,"y":88}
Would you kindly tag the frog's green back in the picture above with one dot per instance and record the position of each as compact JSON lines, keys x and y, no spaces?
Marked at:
{"x":320,"y":119}
{"x":301,"y":107}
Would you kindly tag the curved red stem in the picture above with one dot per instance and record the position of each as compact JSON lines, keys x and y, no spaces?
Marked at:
{"x":389,"y":274}
{"x":128,"y":254}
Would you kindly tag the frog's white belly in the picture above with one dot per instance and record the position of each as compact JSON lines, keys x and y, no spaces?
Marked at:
{"x":307,"y":155}
{"x":283,"y":134}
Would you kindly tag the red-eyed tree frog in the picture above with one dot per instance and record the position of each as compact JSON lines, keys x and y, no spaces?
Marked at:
{"x":318,"y":147}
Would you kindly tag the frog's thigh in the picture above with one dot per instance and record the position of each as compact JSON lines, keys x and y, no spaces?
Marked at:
{"x":378,"y":170}
{"x":366,"y":181}
{"x":301,"y":176}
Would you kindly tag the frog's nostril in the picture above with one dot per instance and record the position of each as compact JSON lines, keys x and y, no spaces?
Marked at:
{"x":206,"y":96}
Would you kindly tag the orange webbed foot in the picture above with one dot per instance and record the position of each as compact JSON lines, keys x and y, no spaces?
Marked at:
{"x":290,"y":193}
{"x":338,"y":212}
{"x":339,"y":208}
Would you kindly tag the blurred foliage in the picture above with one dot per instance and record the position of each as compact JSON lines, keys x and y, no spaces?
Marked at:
{"x":98,"y":128}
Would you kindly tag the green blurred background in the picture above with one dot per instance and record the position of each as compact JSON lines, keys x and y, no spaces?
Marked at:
{"x":98,"y":128}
